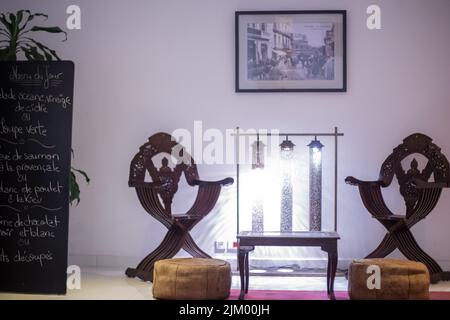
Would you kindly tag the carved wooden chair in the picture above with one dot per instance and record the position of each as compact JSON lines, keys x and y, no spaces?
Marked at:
{"x":156,"y":198}
{"x":420,"y":195}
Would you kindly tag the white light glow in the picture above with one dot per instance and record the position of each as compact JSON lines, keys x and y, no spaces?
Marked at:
{"x":266,"y":185}
{"x":285,"y":270}
{"x":261,"y":187}
{"x":258,"y":271}
{"x":316,"y":156}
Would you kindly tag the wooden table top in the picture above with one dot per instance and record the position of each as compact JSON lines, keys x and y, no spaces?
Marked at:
{"x":290,"y":235}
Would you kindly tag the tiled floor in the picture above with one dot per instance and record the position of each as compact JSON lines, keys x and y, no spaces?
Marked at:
{"x":107,"y":284}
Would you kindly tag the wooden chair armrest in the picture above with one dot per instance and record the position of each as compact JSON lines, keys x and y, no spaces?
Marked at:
{"x":223,"y":182}
{"x":356,"y":182}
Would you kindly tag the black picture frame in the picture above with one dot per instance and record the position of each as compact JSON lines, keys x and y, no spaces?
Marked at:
{"x":306,"y":68}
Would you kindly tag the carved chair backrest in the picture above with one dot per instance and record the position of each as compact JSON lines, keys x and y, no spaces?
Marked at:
{"x":437,"y":165}
{"x":162,"y":144}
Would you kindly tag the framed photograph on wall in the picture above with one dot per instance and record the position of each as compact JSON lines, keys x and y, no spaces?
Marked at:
{"x":283,"y":51}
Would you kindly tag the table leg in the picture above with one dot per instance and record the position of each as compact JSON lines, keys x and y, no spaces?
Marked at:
{"x":331,"y":250}
{"x":241,"y":263}
{"x":247,"y":272}
{"x":328,"y":274}
{"x":331,"y":273}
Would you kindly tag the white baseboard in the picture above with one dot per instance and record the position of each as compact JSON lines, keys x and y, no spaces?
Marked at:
{"x":103,"y":261}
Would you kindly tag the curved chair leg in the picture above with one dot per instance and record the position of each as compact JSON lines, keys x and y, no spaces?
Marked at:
{"x":386,"y":246}
{"x":169,"y":247}
{"x":193,"y":249}
{"x":409,"y":247}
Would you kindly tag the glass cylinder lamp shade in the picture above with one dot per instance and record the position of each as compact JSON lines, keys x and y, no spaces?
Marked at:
{"x":258,"y":154}
{"x":258,"y":215}
{"x":315,"y":185}
{"x":287,"y":154}
{"x":257,"y":177}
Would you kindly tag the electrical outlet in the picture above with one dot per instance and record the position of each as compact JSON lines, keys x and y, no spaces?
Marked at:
{"x":219,"y":246}
{"x":232,"y":246}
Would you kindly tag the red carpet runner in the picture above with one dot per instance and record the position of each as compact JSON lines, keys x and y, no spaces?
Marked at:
{"x":308,"y":295}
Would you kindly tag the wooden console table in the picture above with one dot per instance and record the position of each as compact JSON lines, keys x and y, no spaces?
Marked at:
{"x":327,"y":241}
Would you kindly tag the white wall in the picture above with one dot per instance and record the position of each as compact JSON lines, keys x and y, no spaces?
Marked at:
{"x":146,"y":66}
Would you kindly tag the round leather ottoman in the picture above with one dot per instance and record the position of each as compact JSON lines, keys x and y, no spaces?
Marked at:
{"x":191,"y":279}
{"x":398,"y":280}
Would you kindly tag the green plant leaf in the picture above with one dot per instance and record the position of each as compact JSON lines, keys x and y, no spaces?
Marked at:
{"x":14,"y":25}
{"x":50,"y":30}
{"x":31,"y":17}
{"x":12,"y":18}
{"x":5,"y":33}
{"x":47,"y":55}
{"x":83,"y":173}
{"x":46,"y":50}
{"x":74,"y":189}
{"x":27,"y":53}
{"x":6,"y":23}
{"x":19,"y":16}
{"x":32,"y":51}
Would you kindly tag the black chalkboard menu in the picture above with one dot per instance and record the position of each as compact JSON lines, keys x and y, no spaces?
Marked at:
{"x":36,"y":100}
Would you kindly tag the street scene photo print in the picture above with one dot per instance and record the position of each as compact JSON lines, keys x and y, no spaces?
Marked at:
{"x":291,"y":51}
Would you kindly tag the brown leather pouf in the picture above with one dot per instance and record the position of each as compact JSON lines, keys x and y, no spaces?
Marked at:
{"x":399,"y":280}
{"x":191,"y":279}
